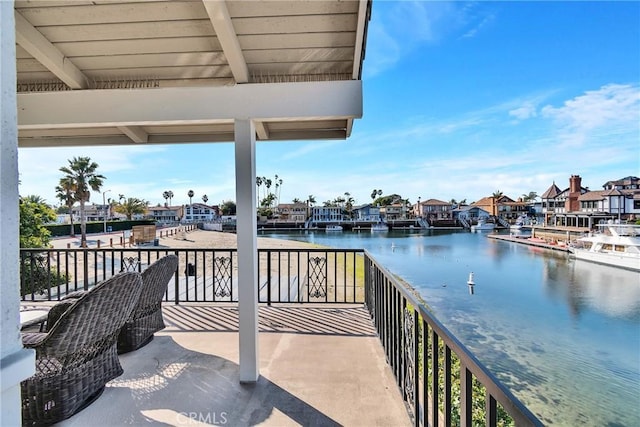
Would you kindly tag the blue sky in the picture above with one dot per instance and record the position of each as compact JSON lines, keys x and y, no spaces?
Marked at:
{"x":461,"y":99}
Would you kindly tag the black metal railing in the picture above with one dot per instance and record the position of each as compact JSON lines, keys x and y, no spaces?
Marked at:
{"x":203,"y":275}
{"x":440,"y":380}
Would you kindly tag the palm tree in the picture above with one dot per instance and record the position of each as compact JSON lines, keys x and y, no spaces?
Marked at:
{"x":165,"y":194}
{"x":170,"y":196}
{"x":131,"y":207}
{"x":190,"y":194}
{"x":205,"y":199}
{"x":296,"y":200}
{"x":349,"y":204}
{"x":81,"y":172}
{"x":311,"y":200}
{"x":375,"y":193}
{"x":258,"y":184}
{"x":531,"y":197}
{"x":267,"y":184}
{"x":497,"y":194}
{"x":65,"y":192}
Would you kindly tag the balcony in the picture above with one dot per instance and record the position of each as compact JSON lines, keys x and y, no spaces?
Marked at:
{"x":319,"y":365}
{"x":342,"y":342}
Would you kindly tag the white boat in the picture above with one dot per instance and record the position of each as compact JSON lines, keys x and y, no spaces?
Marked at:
{"x":483,"y":225}
{"x":523,"y":222}
{"x":379,"y":227}
{"x":614,"y":244}
{"x":334,"y":228}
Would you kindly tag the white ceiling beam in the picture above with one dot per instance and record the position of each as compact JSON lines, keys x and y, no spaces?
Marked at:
{"x":135,"y":133}
{"x":361,"y":30}
{"x":261,"y":130}
{"x":184,"y":105}
{"x":47,"y":54}
{"x":222,"y":25}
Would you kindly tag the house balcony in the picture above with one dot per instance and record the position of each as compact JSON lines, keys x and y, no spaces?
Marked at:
{"x":320,"y":365}
{"x":341,"y":342}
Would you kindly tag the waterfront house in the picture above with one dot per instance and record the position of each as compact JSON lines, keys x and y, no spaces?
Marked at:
{"x":433,"y":210}
{"x":366,"y":212}
{"x":470,"y":213}
{"x":199,"y":212}
{"x":503,"y":207}
{"x":326,"y":214}
{"x":92,"y":212}
{"x":165,"y":214}
{"x":296,"y":212}
{"x":394,"y":211}
{"x":577,"y":206}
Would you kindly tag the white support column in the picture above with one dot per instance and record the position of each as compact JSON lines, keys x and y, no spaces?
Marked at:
{"x":16,"y":363}
{"x":246,"y":226}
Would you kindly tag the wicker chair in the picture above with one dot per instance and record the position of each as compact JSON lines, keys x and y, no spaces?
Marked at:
{"x":77,"y":356}
{"x":146,"y":318}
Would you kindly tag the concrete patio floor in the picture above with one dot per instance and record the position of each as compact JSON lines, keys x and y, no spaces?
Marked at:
{"x":319,"y":366}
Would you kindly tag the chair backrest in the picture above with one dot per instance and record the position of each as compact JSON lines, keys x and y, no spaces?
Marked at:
{"x":155,"y":280}
{"x":97,"y":316}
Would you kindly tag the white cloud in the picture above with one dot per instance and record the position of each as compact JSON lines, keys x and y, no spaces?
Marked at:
{"x":613,"y":109}
{"x":526,"y":111}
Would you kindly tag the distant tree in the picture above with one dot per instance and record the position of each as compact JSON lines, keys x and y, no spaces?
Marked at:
{"x":259,"y":183}
{"x":311,"y":200}
{"x":165,"y":194}
{"x":65,"y":192}
{"x":531,"y":197}
{"x":268,"y":201}
{"x":497,"y":194}
{"x":375,"y":193}
{"x":296,"y":200}
{"x":267,"y":184}
{"x":190,"y":194}
{"x":348,"y":203}
{"x":228,"y":208}
{"x":205,"y":199}
{"x":339,"y":201}
{"x":131,"y":206}
{"x":34,"y":214}
{"x":82,"y":175}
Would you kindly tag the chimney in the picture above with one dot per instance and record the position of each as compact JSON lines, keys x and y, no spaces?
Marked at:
{"x":575,"y":184}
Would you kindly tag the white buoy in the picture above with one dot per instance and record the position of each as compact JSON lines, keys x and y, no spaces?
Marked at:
{"x":470,"y":281}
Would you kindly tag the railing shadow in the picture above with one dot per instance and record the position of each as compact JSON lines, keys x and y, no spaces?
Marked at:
{"x":337,"y":321}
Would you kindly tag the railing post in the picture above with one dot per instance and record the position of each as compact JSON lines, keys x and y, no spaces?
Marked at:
{"x":268,"y":278}
{"x":85,"y":268}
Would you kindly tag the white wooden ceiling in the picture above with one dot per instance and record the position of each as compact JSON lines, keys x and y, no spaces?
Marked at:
{"x":91,"y":57}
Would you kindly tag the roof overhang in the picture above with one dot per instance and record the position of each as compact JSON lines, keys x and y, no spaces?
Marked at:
{"x":112,"y":72}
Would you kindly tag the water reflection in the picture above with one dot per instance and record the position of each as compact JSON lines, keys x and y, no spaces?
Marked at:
{"x":563,"y":334}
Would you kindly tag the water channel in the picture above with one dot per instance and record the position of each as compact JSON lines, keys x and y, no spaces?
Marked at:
{"x":562,"y":334}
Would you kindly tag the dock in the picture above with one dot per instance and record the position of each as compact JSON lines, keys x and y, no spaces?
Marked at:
{"x":531,"y":241}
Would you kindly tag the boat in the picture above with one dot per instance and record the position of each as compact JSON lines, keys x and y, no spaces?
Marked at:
{"x":380,"y":226}
{"x":334,"y":228}
{"x":483,"y":225}
{"x":613,"y":244}
{"x":523,"y":222}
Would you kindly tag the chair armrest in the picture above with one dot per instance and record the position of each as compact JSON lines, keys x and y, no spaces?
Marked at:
{"x":76,"y":294}
{"x":32,"y":339}
{"x":58,"y":310}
